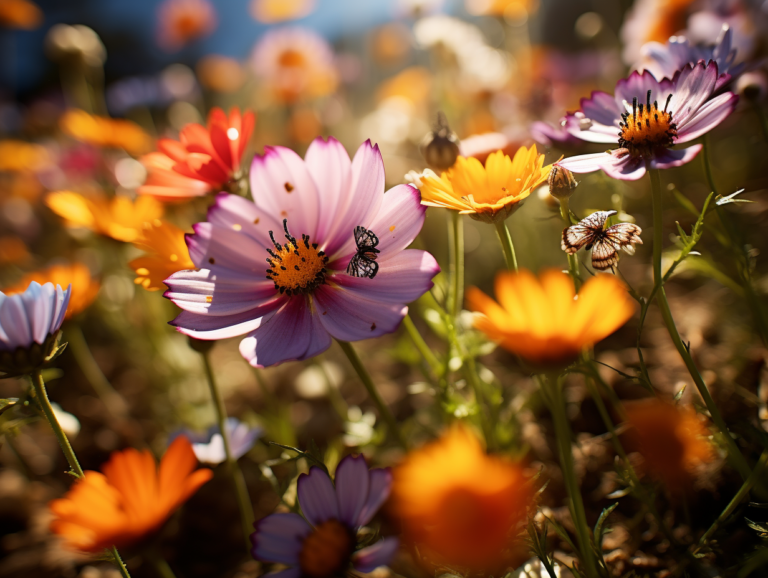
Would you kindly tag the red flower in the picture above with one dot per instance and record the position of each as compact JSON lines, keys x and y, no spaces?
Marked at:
{"x":203,"y":160}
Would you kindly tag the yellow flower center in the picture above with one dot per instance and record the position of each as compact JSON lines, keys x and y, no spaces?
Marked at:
{"x":326,"y":551}
{"x":647,"y":127}
{"x":296,"y":267}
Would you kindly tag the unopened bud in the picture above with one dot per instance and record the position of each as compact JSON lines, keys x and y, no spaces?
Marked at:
{"x":441,"y":147}
{"x":753,"y":85}
{"x":561,"y":182}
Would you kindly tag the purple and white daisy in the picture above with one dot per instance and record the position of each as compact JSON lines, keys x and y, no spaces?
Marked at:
{"x":209,"y":446}
{"x":323,"y":543}
{"x":666,"y":60}
{"x":277,"y":269}
{"x":645,"y":118}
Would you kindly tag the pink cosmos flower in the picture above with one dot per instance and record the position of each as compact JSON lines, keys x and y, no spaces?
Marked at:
{"x":275,"y":269}
{"x":645,"y":118}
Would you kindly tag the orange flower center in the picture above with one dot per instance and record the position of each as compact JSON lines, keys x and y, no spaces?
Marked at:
{"x":647,"y":127}
{"x":326,"y":551}
{"x":291,"y":58}
{"x":297,"y":267}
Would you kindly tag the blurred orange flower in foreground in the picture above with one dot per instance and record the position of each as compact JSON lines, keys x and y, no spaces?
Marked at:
{"x":487,"y":193}
{"x":167,"y":253}
{"x":119,"y":218}
{"x":271,"y":11}
{"x":105,"y":132}
{"x":84,"y":286}
{"x":20,"y":14}
{"x":460,"y":506}
{"x":220,"y":73}
{"x":130,"y":500}
{"x":179,"y":22}
{"x":672,"y":439}
{"x":202,"y":160}
{"x":543,"y":321}
{"x":17,"y":156}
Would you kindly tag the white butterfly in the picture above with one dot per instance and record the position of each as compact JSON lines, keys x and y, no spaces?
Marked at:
{"x":591,"y":233}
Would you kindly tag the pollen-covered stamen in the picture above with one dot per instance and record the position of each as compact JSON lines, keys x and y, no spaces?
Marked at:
{"x":647,"y":127}
{"x":326,"y":552}
{"x":296,"y":267}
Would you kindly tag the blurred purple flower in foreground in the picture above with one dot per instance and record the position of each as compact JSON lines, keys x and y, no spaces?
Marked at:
{"x":645,"y":118}
{"x":324,"y":541}
{"x":209,"y":447}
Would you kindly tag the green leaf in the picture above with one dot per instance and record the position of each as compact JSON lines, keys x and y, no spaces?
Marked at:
{"x":731,"y":199}
{"x":562,"y":534}
{"x":599,"y":530}
{"x":6,"y":404}
{"x":308,"y":456}
{"x":679,"y":394}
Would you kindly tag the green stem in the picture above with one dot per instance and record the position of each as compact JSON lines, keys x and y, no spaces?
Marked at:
{"x":573,"y":263}
{"x":456,"y":267}
{"x":241,"y":490}
{"x":506,"y":244}
{"x":737,"y":459}
{"x":421,"y":345}
{"x":708,"y":166}
{"x":367,"y":380}
{"x":485,"y":421}
{"x":45,"y":404}
{"x":119,"y":563}
{"x":162,"y":567}
{"x":563,"y":434}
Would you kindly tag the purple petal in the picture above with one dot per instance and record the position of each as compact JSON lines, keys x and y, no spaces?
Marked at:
{"x":624,"y":168}
{"x":293,"y":333}
{"x":237,"y":213}
{"x":675,"y":158}
{"x":401,"y":279}
{"x":215,"y":247}
{"x":226,"y":293}
{"x":637,"y":86}
{"x":582,"y":128}
{"x":351,"y":488}
{"x":331,"y":168}
{"x":61,"y":303}
{"x":209,"y":327}
{"x":378,"y":554}
{"x":317,"y":497}
{"x":15,"y":323}
{"x":278,"y":538}
{"x":601,"y":108}
{"x":349,"y":315}
{"x":241,"y":437}
{"x":707,"y":117}
{"x":693,"y":88}
{"x":366,"y":195}
{"x":548,"y":135}
{"x":584,"y":163}
{"x":379,"y":486}
{"x":39,"y":304}
{"x":282,"y":187}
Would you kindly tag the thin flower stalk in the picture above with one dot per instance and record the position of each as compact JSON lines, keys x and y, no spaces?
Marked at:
{"x":421,"y":345}
{"x":119,"y":563}
{"x":506,"y":244}
{"x":735,"y":455}
{"x":241,"y":490}
{"x":365,"y":377}
{"x":573,"y":262}
{"x":456,"y":266}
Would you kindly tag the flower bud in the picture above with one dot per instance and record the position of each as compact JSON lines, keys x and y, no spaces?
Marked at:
{"x":441,"y":147}
{"x":753,"y":85}
{"x":561,"y":182}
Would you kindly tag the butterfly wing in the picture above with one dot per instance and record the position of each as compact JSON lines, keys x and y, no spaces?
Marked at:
{"x":362,"y":266}
{"x":624,"y":236}
{"x":604,"y":254}
{"x":585,"y":233}
{"x":365,"y":239}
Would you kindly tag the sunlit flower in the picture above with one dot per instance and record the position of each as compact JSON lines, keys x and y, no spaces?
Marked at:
{"x":543,"y":321}
{"x":553,"y":135}
{"x":209,"y":446}
{"x":119,"y":218}
{"x":324,"y":543}
{"x":101,"y":131}
{"x":460,"y":506}
{"x":652,"y":21}
{"x":665,"y":60}
{"x":673,"y":440}
{"x":204,"y":159}
{"x":20,"y":14}
{"x":84,"y":287}
{"x":645,"y":118}
{"x":29,"y":326}
{"x":295,"y":63}
{"x":491,"y":192}
{"x":167,"y":253}
{"x":17,"y":156}
{"x":481,"y":146}
{"x":275,"y":268}
{"x":272,"y":11}
{"x":129,"y":501}
{"x":413,"y":84}
{"x":13,"y":251}
{"x":220,"y":73}
{"x":179,"y":22}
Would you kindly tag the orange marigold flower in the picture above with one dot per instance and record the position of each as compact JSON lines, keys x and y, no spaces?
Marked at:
{"x":167,"y":253}
{"x":460,"y":506}
{"x":220,"y":73}
{"x":487,"y":193}
{"x":101,"y":131}
{"x":130,"y":500}
{"x":271,"y":11}
{"x":202,"y":160}
{"x":119,"y":218}
{"x":672,"y":439}
{"x":543,"y":321}
{"x":179,"y":22}
{"x":18,"y":156}
{"x":84,"y":286}
{"x":20,"y":14}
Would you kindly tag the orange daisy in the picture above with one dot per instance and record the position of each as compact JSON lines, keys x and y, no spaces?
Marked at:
{"x":119,"y":218}
{"x":272,"y":11}
{"x":459,"y":506}
{"x":18,"y":156}
{"x":131,"y":500}
{"x":20,"y":14}
{"x":101,"y":131}
{"x":672,"y":439}
{"x":543,"y":321}
{"x":84,"y":286}
{"x":179,"y":22}
{"x":167,"y":253}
